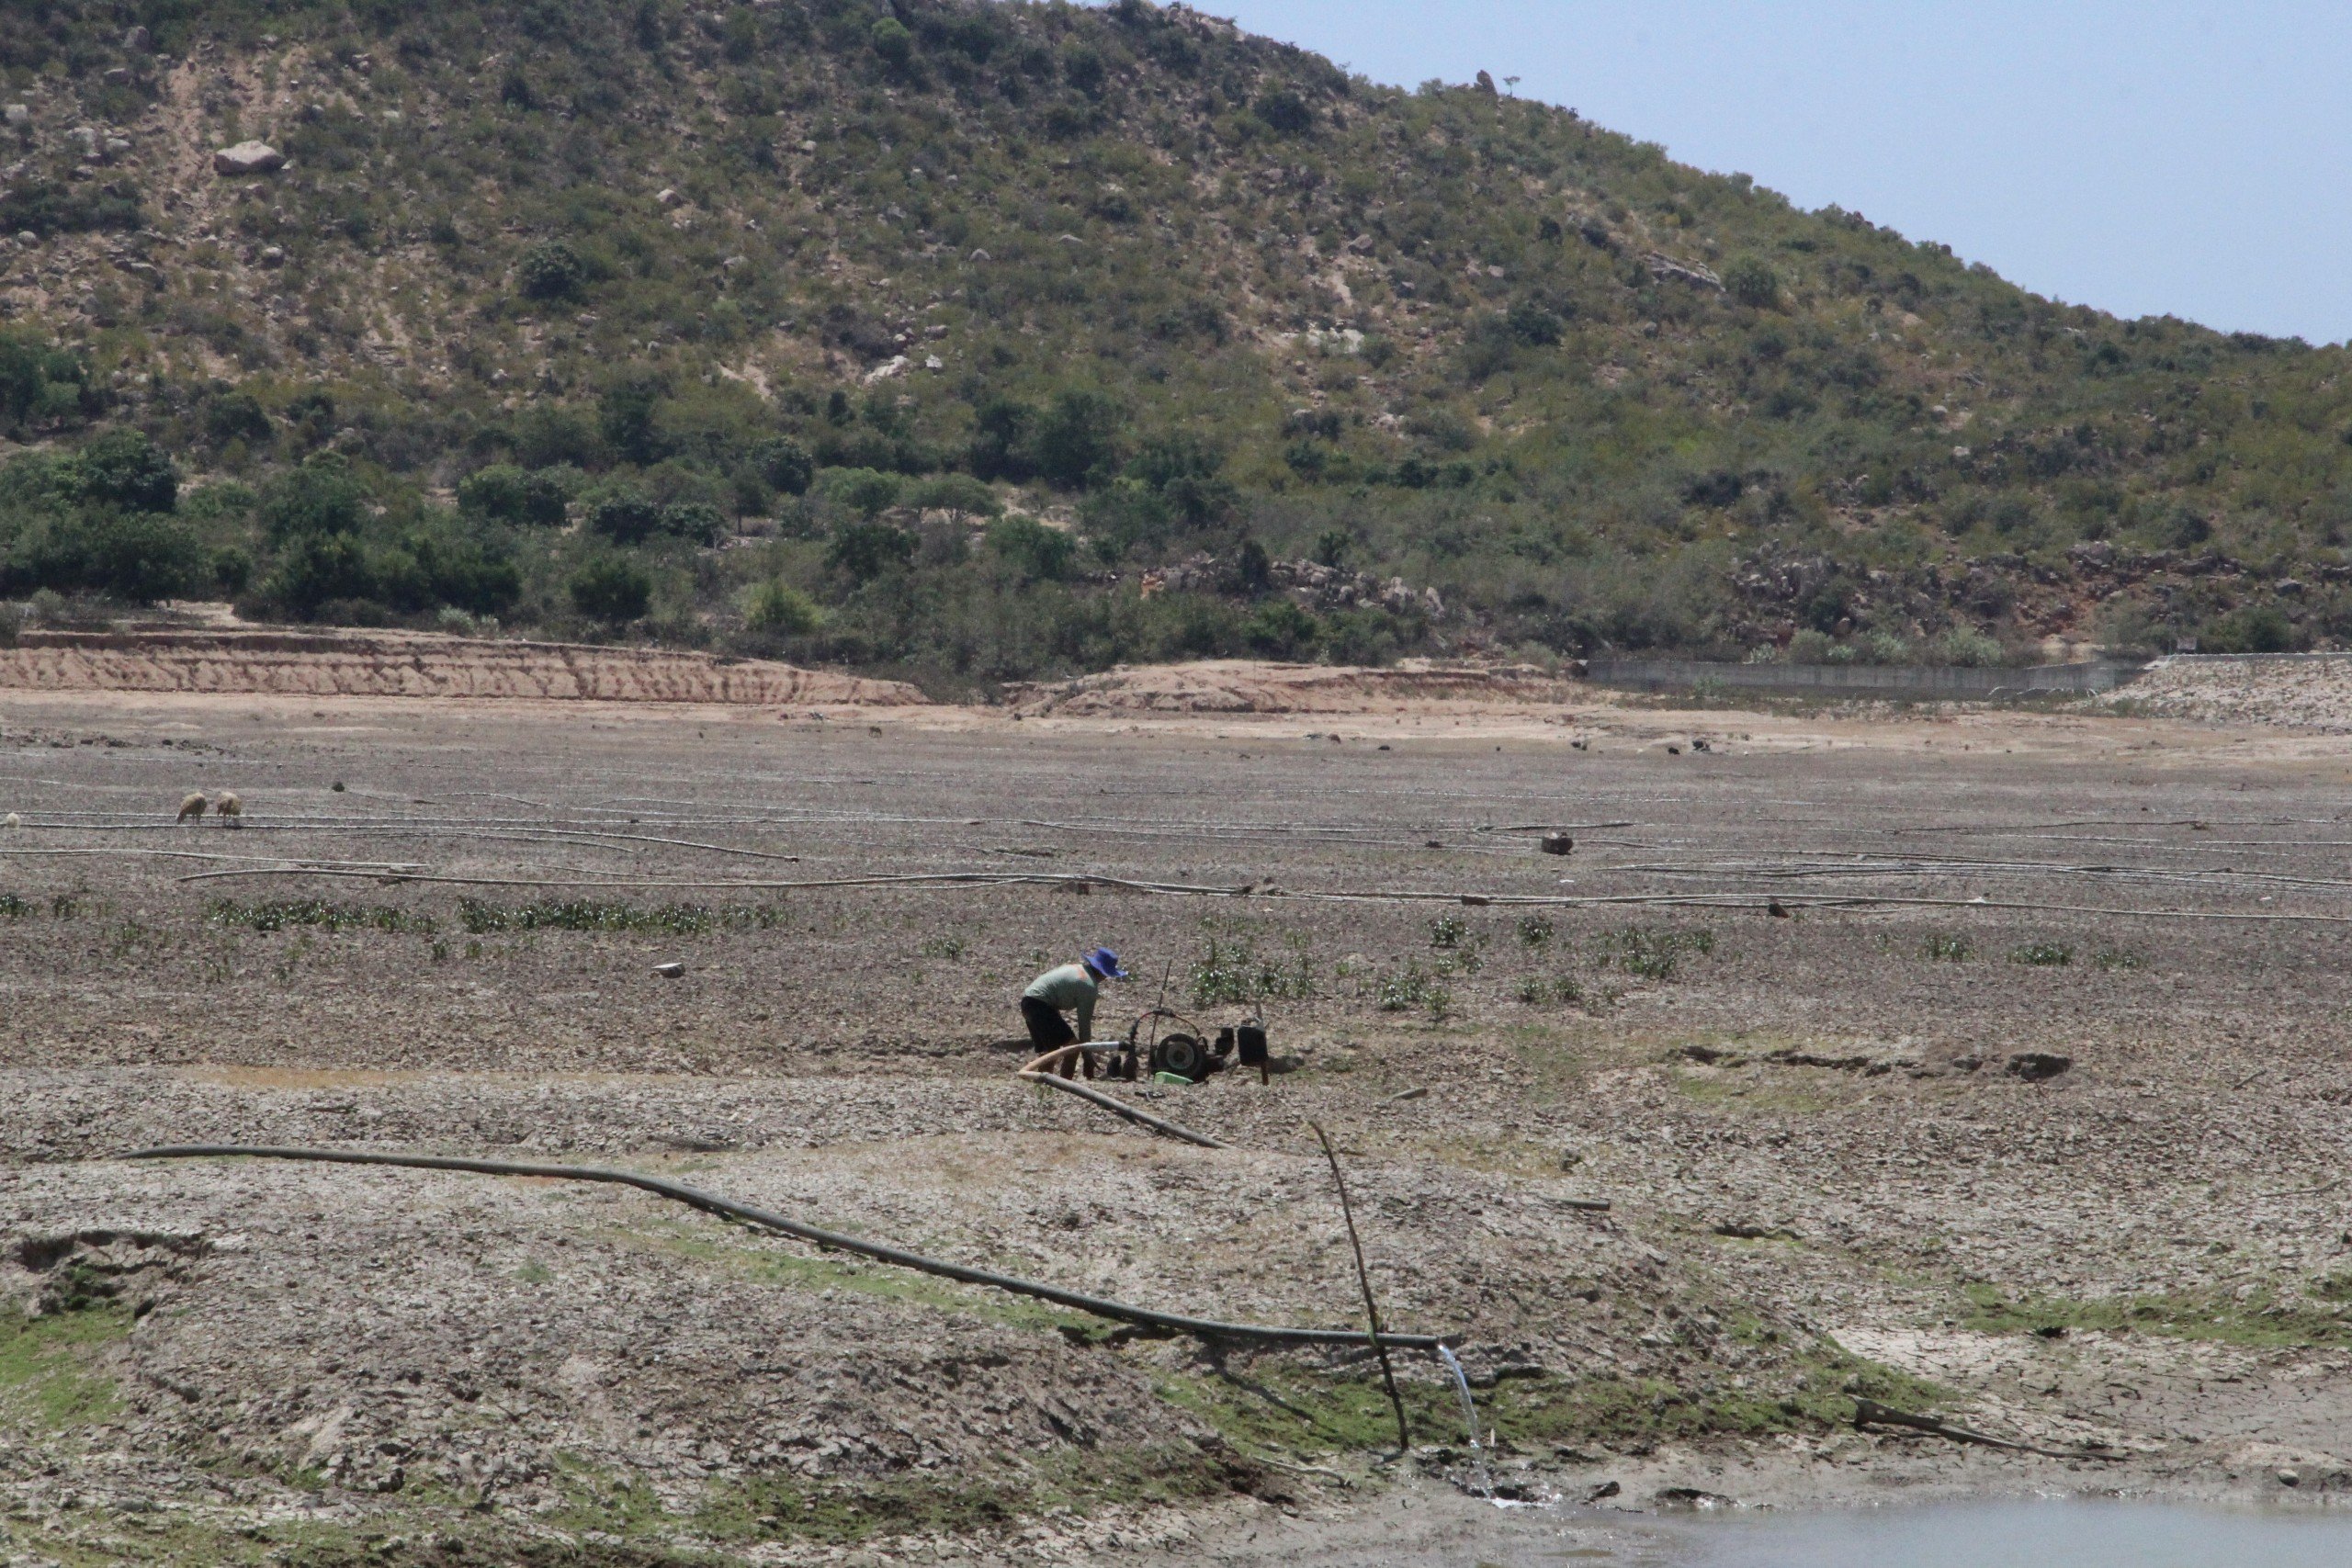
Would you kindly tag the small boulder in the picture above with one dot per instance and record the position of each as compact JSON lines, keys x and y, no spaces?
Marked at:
{"x":1558,"y":844}
{"x":668,"y":196}
{"x":248,"y":158}
{"x":138,"y":41}
{"x":17,"y":114}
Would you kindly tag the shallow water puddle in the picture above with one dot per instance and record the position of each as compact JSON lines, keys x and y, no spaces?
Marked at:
{"x":1993,"y":1535}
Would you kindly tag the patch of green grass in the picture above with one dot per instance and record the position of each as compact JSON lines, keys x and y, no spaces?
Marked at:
{"x":2259,"y":1319}
{"x":278,"y":914}
{"x":1535,"y":931}
{"x":14,"y":906}
{"x":778,"y":1507}
{"x":2114,"y":958}
{"x":480,"y":916}
{"x":1725,"y":1090}
{"x":1281,"y":1407}
{"x":2043,"y":954}
{"x":773,"y":1266}
{"x":45,"y":1381}
{"x":1946,"y":947}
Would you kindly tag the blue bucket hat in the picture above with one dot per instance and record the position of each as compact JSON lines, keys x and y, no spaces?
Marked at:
{"x":1106,"y":962}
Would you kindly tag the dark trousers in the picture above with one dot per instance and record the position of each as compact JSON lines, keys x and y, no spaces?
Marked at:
{"x":1048,"y":1030}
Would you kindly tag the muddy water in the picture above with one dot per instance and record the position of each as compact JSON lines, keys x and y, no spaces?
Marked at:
{"x":1980,"y":1535}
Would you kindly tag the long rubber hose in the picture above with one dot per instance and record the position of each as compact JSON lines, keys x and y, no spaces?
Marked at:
{"x":1199,"y":1327}
{"x":1121,"y":1107}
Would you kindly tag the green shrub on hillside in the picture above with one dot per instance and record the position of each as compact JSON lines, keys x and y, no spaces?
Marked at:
{"x":1200,"y":293}
{"x":610,"y":588}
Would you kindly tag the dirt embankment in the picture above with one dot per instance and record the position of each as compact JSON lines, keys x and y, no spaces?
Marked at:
{"x":2290,"y":691}
{"x":411,"y":664}
{"x":1233,"y":685}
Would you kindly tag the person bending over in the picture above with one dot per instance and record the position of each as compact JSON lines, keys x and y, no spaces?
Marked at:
{"x":1073,"y":987}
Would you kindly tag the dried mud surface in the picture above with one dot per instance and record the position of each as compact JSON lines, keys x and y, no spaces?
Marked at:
{"x":1838,"y":1154}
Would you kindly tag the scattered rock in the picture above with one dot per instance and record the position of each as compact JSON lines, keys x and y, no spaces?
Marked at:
{"x":1666,"y":267}
{"x":1558,"y":844}
{"x":670,"y":971}
{"x":138,"y":41}
{"x":16,"y":114}
{"x":1691,"y":1497}
{"x":1606,"y":1489}
{"x":667,"y":196}
{"x":248,"y":158}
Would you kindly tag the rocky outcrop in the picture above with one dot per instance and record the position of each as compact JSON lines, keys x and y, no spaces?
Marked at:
{"x":248,"y":158}
{"x":1310,"y":582}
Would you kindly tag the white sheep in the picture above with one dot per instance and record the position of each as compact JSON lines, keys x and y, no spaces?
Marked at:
{"x":193,"y":806}
{"x":231,"y":810}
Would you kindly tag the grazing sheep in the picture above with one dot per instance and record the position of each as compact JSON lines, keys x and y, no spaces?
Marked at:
{"x":231,"y":810}
{"x":193,"y":806}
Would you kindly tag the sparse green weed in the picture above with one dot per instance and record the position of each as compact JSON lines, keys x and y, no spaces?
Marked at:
{"x":1653,"y":953}
{"x":1413,"y":988}
{"x":1231,"y":972}
{"x":1537,"y":990}
{"x":1949,"y":947}
{"x":2043,"y":954}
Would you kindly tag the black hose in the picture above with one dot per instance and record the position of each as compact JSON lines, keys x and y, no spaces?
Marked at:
{"x":1199,"y":1327}
{"x":1121,"y":1107}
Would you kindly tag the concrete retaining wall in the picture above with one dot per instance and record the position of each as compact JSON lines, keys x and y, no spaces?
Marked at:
{"x":1928,"y":683}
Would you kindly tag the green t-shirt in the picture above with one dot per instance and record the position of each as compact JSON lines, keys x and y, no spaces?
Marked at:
{"x":1065,"y":988}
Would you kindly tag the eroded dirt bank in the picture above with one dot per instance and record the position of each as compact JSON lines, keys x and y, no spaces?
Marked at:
{"x":1842,"y":1153}
{"x":343,"y":663}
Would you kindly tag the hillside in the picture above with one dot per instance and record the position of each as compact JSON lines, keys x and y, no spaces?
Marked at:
{"x":984,"y":342}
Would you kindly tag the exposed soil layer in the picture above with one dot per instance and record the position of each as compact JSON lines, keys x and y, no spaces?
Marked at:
{"x":2061,"y":1165}
{"x":411,"y":664}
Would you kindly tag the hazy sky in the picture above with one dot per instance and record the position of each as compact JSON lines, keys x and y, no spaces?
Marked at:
{"x":2149,"y":158}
